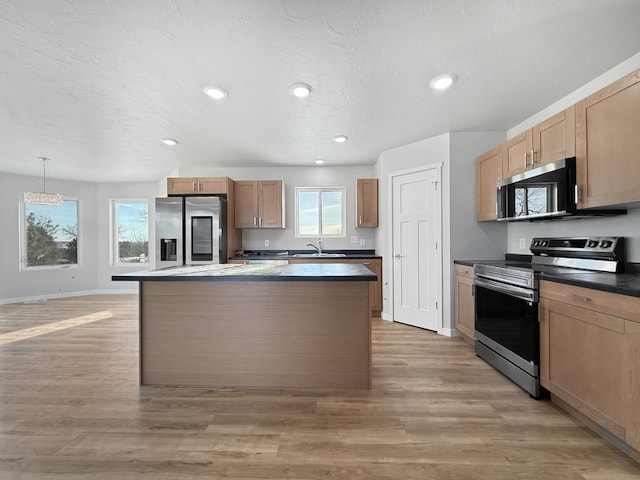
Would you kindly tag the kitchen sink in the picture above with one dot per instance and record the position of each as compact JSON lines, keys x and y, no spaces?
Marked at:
{"x":323,"y":255}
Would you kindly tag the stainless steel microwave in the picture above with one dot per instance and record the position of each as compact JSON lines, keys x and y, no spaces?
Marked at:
{"x":543,"y":193}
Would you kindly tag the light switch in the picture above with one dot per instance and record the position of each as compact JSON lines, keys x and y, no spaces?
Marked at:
{"x":354,"y":239}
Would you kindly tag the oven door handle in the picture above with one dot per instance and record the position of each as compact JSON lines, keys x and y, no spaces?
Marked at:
{"x":518,"y":292}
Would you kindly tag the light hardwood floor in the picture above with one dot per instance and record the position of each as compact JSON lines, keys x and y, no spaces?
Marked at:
{"x":71,"y":408}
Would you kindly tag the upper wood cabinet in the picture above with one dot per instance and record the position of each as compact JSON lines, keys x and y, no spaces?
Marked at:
{"x":555,"y":138}
{"x":465,"y":309}
{"x":488,"y":172}
{"x":367,"y":202}
{"x":608,"y":144}
{"x":590,"y":355}
{"x":259,"y":204}
{"x":197,"y":185}
{"x":516,"y":153}
{"x":549,"y":141}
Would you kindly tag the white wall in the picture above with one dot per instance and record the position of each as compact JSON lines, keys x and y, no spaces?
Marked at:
{"x":462,"y":236}
{"x":418,"y":154}
{"x":93,"y":272}
{"x":625,"y":225}
{"x":281,"y":239}
{"x":105,"y":193}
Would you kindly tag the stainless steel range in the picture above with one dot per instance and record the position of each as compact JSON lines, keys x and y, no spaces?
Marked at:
{"x":506,"y":300}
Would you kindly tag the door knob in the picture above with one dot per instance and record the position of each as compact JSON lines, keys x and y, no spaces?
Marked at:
{"x":397,"y":255}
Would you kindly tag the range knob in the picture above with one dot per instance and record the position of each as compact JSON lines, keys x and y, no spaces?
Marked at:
{"x":592,"y":244}
{"x":606,"y":243}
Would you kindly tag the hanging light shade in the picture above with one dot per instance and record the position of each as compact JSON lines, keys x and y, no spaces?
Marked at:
{"x":44,"y":198}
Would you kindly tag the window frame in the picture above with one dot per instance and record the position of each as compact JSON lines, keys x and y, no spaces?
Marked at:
{"x":114,"y":240}
{"x":343,"y":190}
{"x":22,"y":239}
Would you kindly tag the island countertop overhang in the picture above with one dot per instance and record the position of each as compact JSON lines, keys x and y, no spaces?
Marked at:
{"x":235,"y":272}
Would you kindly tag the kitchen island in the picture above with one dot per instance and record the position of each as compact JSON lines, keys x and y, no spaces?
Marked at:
{"x":302,"y":325}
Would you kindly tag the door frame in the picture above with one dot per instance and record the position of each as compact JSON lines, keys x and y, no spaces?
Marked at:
{"x":437,"y":166}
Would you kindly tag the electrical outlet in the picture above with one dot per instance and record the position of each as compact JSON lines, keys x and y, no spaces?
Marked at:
{"x":354,"y":239}
{"x":363,"y":242}
{"x":522,"y":244}
{"x":266,"y":243}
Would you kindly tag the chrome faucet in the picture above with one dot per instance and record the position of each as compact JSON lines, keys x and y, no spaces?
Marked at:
{"x":318,"y":248}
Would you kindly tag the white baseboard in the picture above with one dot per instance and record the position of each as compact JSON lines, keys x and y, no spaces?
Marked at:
{"x":40,"y":298}
{"x":450,"y":332}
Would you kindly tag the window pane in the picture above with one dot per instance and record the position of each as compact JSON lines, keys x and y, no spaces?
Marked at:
{"x":133,"y":232}
{"x":308,"y":213}
{"x":52,"y":234}
{"x":332,"y":213}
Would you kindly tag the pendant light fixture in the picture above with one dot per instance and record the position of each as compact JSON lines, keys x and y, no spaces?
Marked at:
{"x":44,"y":198}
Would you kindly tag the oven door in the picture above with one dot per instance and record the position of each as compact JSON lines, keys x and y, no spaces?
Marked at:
{"x":507,"y":331}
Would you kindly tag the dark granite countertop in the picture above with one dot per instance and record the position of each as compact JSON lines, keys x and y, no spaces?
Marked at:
{"x":234,"y":272}
{"x":289,"y":254}
{"x":621,"y":283}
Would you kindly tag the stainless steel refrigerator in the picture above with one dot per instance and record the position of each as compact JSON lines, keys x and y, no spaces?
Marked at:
{"x":191,"y":231}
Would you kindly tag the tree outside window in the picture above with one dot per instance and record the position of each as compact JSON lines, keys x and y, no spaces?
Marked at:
{"x":51,"y":234}
{"x":131,"y":231}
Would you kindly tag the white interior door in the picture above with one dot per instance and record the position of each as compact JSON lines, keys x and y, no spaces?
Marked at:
{"x":416,"y":258}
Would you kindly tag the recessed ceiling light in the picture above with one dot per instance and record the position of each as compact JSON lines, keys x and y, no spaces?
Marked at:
{"x":319,"y":161}
{"x":169,"y":141}
{"x":300,"y":90}
{"x":340,"y":138}
{"x":216,"y":93}
{"x":442,"y":82}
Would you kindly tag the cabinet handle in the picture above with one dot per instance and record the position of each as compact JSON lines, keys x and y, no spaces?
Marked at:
{"x":533,"y":157}
{"x":526,"y":162}
{"x":367,"y":263}
{"x":577,"y":193}
{"x":255,"y":221}
{"x":579,"y":297}
{"x":260,"y":222}
{"x":193,"y":188}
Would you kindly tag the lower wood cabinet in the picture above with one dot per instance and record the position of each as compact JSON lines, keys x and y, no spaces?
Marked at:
{"x":465,"y":308}
{"x":590,"y":356}
{"x":373,"y":264}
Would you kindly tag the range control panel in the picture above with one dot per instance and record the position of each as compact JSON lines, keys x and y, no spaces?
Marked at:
{"x":611,"y":248}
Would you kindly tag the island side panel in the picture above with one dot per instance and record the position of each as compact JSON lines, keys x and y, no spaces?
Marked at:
{"x":310,"y":334}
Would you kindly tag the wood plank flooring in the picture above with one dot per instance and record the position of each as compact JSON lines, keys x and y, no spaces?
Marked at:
{"x":71,"y":408}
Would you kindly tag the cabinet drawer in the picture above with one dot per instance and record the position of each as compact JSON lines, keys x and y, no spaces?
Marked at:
{"x":464,"y":270}
{"x":622,"y":306}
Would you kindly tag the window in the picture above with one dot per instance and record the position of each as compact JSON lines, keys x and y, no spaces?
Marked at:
{"x":320,"y":212}
{"x":50,"y":235}
{"x":130,"y":234}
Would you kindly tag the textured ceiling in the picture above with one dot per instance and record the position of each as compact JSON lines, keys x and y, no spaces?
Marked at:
{"x":95,"y":84}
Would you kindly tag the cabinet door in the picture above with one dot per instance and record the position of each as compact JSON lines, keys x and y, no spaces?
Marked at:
{"x":375,"y":288}
{"x":367,"y":202}
{"x":212,"y":185}
{"x":555,"y":138}
{"x":583,"y":362}
{"x":246,"y":204}
{"x":517,"y":153}
{"x":182,"y":186}
{"x":270,"y":204}
{"x":607,"y":144}
{"x":465,"y":310}
{"x":488,"y":172}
